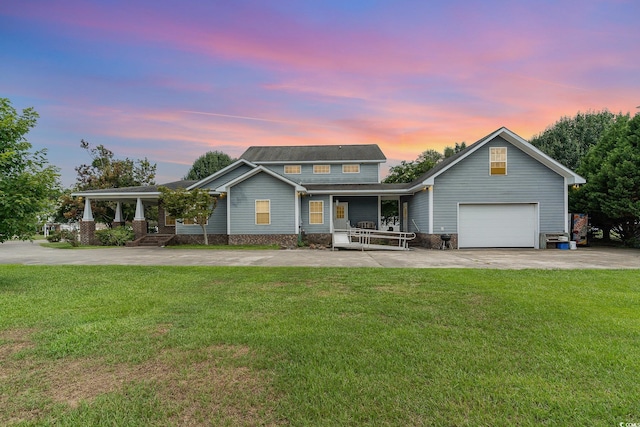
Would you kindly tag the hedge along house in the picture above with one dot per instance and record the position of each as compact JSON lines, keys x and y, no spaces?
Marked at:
{"x":498,"y":192}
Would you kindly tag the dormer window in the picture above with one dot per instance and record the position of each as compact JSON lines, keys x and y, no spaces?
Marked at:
{"x":498,"y":161}
{"x":322,"y":169}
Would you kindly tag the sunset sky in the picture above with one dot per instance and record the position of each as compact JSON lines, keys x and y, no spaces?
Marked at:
{"x":171,"y":80}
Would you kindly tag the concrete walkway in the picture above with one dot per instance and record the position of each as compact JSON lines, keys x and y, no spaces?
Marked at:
{"x":32,"y":253}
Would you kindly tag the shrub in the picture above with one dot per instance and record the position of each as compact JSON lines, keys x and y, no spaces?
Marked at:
{"x":68,"y":236}
{"x":54,"y":237}
{"x":118,"y":236}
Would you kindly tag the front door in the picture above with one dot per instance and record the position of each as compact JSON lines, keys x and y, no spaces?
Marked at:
{"x":341,"y":215}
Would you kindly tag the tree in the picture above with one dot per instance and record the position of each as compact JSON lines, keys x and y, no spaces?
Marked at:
{"x":611,"y":195}
{"x":105,"y":171}
{"x":208,"y":164}
{"x":410,"y":171}
{"x":26,"y":179}
{"x":569,"y":139}
{"x":450,"y":151}
{"x":197,"y":204}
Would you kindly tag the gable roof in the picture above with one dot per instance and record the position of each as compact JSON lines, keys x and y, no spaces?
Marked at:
{"x":260,"y":169}
{"x":232,"y":166}
{"x":366,"y":153}
{"x":428,"y":177}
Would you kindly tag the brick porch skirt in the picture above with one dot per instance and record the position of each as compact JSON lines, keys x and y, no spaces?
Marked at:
{"x":285,"y":240}
{"x":198,"y":239}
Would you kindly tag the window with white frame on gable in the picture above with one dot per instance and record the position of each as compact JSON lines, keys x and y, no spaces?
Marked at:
{"x":321,"y":169}
{"x":498,"y":161}
{"x":316,"y":212}
{"x":351,"y":168}
{"x":263,"y":212}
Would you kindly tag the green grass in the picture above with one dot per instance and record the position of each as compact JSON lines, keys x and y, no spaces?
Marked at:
{"x":117,"y":345}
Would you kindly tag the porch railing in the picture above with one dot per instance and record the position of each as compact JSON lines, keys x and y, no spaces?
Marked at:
{"x":378,"y":239}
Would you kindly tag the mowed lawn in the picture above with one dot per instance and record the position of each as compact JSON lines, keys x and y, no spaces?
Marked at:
{"x":115,"y":345}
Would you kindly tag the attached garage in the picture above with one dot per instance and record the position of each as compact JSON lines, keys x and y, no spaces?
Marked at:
{"x":512,"y":225}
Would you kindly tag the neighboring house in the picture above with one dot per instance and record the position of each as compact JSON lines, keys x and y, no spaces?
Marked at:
{"x":498,"y":192}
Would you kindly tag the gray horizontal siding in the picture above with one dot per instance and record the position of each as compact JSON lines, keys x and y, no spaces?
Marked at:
{"x":368,"y":174}
{"x":217,"y":222}
{"x":229,"y":176}
{"x":262,"y":186}
{"x":527,"y":181}
{"x":418,"y":212}
{"x":304,"y":215}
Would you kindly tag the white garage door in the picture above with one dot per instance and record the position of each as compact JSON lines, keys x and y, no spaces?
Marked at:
{"x":497,"y":226}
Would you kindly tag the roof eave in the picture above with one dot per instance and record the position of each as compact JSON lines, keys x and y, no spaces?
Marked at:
{"x":308,"y":162}
{"x":225,"y":187}
{"x":221,"y":172}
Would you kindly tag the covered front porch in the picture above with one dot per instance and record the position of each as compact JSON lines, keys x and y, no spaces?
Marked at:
{"x":361,"y":216}
{"x":140,"y":197}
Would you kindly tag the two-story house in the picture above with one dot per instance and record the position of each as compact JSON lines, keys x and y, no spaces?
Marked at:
{"x":498,"y":192}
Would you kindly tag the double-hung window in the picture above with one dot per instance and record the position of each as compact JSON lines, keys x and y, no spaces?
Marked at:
{"x":263,"y":212}
{"x":316,"y":212}
{"x":498,"y":161}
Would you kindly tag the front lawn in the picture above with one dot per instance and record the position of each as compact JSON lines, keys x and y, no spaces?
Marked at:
{"x":118,"y":345}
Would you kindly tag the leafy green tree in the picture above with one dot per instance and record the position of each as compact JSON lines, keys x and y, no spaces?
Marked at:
{"x":569,"y":139}
{"x":26,"y":179}
{"x":197,"y":204}
{"x":410,"y":171}
{"x":208,"y":164}
{"x":105,"y":171}
{"x":450,"y":151}
{"x":611,"y":195}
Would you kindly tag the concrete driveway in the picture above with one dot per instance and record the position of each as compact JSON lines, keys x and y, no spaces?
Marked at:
{"x":29,"y":253}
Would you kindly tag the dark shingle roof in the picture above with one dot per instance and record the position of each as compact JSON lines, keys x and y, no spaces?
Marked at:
{"x":315,"y":153}
{"x":355,"y":187}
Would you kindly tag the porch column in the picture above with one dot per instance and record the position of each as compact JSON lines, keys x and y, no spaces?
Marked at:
{"x":117,"y":221}
{"x":139,"y":222}
{"x":87,"y":225}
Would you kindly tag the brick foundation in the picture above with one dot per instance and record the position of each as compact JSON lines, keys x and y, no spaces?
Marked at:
{"x":198,"y":239}
{"x":139,"y":228}
{"x":285,"y":240}
{"x":88,"y":233}
{"x":162,"y":228}
{"x":317,"y":239}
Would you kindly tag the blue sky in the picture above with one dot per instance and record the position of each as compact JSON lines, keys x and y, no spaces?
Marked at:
{"x":171,"y":80}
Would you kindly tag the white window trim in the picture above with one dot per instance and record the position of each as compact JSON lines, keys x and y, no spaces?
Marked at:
{"x":256,"y":210}
{"x":351,"y":164}
{"x":292,"y":166}
{"x":322,"y":173}
{"x":321,"y":212}
{"x":506,"y":164}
